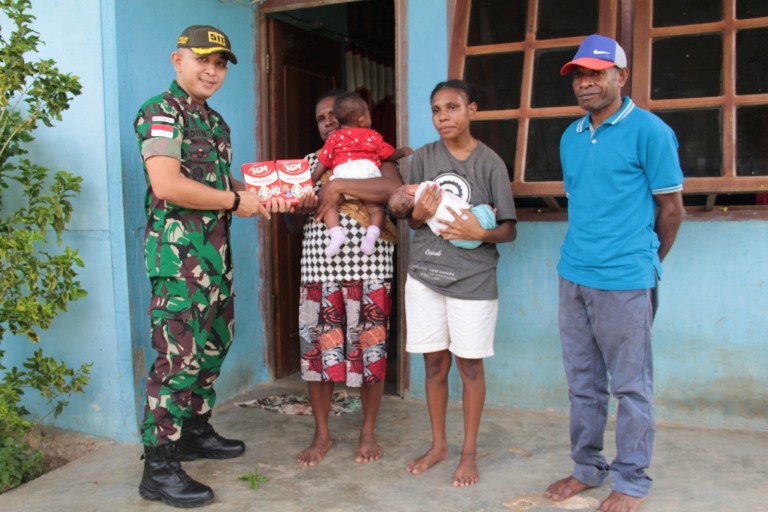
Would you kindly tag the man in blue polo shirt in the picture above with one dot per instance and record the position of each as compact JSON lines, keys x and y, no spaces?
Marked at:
{"x":624,"y":184}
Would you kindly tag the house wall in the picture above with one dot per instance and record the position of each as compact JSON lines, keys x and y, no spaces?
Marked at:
{"x":122,"y":56}
{"x":711,"y":331}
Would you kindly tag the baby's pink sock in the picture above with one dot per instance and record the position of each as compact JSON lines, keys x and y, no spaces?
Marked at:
{"x":368,"y":245}
{"x":337,"y":240}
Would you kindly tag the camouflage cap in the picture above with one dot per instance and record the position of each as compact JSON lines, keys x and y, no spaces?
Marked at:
{"x":204,"y":40}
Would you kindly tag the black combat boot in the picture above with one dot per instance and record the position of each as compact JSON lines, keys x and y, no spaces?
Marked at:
{"x":199,"y":440}
{"x":164,"y":480}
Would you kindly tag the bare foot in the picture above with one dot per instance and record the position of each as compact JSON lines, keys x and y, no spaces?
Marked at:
{"x":620,"y":502}
{"x":311,"y":455}
{"x":368,"y":449}
{"x":466,"y":473}
{"x":565,"y":488}
{"x":426,"y":461}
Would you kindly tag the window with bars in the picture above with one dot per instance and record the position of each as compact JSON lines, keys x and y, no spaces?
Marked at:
{"x":701,"y":65}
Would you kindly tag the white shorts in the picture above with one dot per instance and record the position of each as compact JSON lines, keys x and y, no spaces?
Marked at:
{"x":435,"y":322}
{"x":357,"y":170}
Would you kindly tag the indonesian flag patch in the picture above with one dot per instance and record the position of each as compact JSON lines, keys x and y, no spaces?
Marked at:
{"x":161,"y":126}
{"x":161,"y":130}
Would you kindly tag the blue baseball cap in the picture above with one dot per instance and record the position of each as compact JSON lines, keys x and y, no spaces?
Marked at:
{"x":597,"y":52}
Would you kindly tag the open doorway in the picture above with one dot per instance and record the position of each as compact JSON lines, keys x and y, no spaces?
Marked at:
{"x":344,"y":45}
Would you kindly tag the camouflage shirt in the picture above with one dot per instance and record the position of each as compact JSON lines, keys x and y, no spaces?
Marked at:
{"x":182,"y":242}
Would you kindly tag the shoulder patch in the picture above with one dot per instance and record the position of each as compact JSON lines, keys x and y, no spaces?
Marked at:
{"x":161,"y":130}
{"x":163,"y":119}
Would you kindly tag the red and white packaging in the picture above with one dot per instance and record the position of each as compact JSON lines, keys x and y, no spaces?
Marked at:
{"x":295,"y":178}
{"x":262,"y":178}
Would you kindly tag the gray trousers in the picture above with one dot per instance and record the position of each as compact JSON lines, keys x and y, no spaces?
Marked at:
{"x":606,"y":340}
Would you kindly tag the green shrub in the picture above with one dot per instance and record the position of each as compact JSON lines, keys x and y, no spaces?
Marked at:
{"x":18,"y":463}
{"x":35,"y":284}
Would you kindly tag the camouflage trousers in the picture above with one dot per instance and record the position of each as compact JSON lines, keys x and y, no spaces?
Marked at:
{"x":192,"y":329}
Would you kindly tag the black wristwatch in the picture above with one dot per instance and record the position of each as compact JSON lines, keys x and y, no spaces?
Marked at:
{"x":236,"y":204}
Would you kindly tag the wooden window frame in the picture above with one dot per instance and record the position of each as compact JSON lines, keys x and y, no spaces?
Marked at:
{"x":629,"y":22}
{"x":729,"y":101}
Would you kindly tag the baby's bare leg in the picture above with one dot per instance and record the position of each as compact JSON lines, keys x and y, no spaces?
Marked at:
{"x":331,"y":218}
{"x":376,"y":213}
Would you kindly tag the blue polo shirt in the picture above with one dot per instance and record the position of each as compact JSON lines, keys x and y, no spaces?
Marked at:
{"x":610,"y":176}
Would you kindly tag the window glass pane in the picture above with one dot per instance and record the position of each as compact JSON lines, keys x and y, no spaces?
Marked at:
{"x":494,"y":21}
{"x":727,"y":199}
{"x":751,"y":8}
{"x":752,"y":141}
{"x":549,"y":88}
{"x":699,"y":135}
{"x":752,"y":61}
{"x":500,"y":136}
{"x":538,"y":203}
{"x":566,"y":18}
{"x":687,"y":67}
{"x":667,"y":13}
{"x":542,"y":162}
{"x":497,"y":79}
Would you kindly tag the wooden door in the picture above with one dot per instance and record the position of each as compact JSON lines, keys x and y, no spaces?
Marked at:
{"x":302,"y":66}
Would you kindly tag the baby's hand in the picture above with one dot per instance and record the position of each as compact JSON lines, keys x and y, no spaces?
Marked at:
{"x":426,"y":207}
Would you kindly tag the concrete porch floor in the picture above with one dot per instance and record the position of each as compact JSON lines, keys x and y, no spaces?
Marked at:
{"x":520,"y":453}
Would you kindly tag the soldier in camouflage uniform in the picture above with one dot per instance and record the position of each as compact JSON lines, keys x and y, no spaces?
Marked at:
{"x":191,"y":195}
